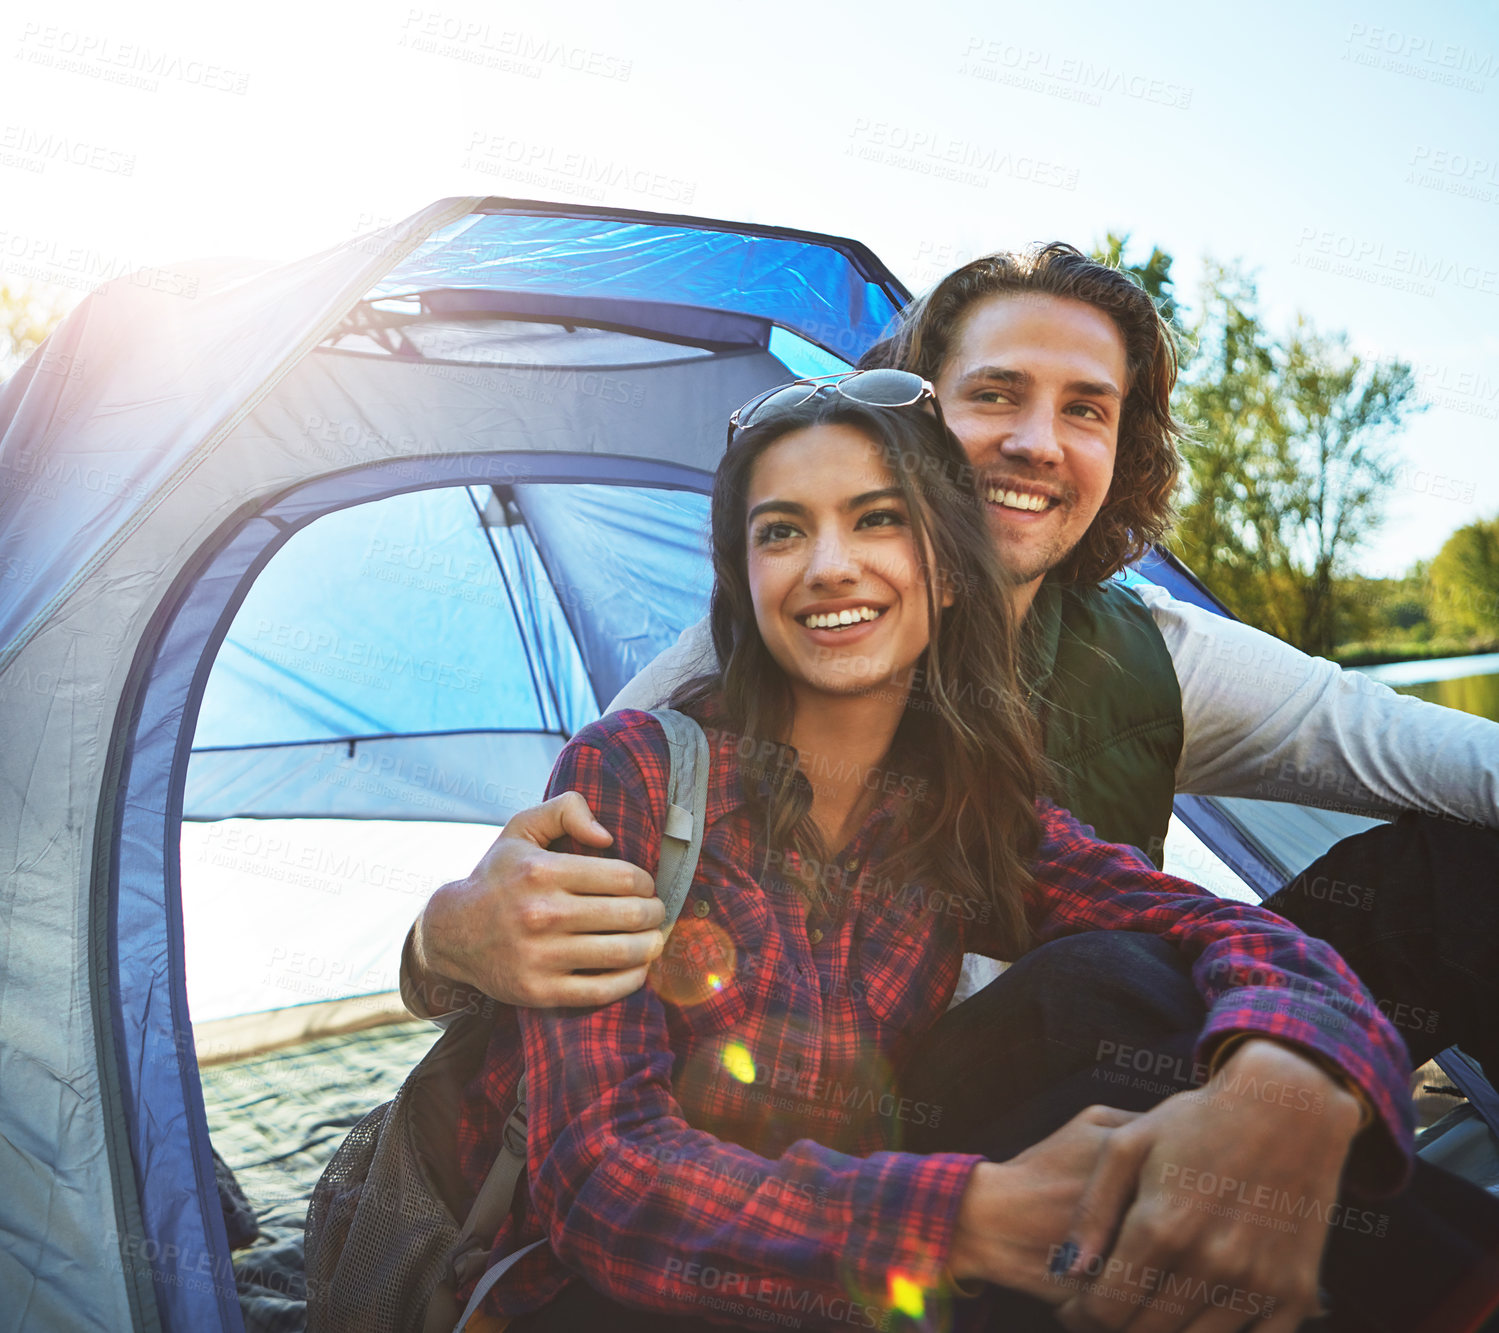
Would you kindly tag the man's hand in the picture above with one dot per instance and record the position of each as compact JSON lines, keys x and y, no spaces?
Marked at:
{"x":1014,"y":1212}
{"x":527,"y":924}
{"x":1220,"y":1199}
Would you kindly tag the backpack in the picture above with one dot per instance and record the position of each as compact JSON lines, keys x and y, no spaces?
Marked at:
{"x":385,"y":1250}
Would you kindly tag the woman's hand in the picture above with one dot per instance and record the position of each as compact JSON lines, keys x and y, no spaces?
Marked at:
{"x":1014,"y":1213}
{"x":1225,"y":1196}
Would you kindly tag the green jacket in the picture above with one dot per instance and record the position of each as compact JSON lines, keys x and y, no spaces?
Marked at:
{"x":1102,"y":683}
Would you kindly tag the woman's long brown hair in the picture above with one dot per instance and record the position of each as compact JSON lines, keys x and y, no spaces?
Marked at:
{"x":967,"y":743}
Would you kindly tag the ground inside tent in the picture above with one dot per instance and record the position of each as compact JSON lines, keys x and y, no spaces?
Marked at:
{"x":276,"y":1119}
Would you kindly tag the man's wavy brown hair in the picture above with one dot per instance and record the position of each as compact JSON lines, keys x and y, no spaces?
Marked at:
{"x":1137,"y":510}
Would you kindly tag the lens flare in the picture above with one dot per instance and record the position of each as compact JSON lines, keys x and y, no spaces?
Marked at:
{"x":738,"y":1061}
{"x":906,"y":1296}
{"x":698,"y":964}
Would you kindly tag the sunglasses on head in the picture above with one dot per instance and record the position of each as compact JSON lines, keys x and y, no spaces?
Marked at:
{"x":869,"y":388}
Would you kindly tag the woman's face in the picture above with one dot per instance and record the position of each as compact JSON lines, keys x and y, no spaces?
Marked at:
{"x":838,"y":589}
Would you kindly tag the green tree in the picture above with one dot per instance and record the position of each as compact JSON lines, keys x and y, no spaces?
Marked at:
{"x":1465,"y":582}
{"x":1341,"y":411}
{"x":1239,"y":473}
{"x":29,"y":311}
{"x":1288,"y":465}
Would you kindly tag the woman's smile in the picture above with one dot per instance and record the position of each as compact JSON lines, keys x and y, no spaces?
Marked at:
{"x":840,"y":620}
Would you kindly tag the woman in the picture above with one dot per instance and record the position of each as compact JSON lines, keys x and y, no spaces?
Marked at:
{"x":718,"y":1145}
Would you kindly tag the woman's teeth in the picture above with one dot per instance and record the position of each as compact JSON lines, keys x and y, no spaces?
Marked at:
{"x":838,"y":619}
{"x":1017,"y":500}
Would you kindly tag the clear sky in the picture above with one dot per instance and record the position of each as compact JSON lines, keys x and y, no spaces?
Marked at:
{"x":1349,"y":153}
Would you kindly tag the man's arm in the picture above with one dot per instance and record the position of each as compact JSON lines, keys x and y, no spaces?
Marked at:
{"x":535,"y":928}
{"x":1312,"y":1082}
{"x":540,"y":929}
{"x":1264,"y":720}
{"x":1257,"y":975}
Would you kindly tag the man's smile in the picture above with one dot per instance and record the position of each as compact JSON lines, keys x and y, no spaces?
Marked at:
{"x":1021,"y":496}
{"x":1013,"y":499}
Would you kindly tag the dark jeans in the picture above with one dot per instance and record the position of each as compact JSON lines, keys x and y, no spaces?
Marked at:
{"x":1413,"y":907}
{"x":1112,"y":1019}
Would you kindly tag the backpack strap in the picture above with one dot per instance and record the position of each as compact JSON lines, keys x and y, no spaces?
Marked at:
{"x":681,"y":845}
{"x":686,"y":810}
{"x":492,"y":1275}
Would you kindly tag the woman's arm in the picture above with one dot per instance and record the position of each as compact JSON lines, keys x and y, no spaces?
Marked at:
{"x":1217,"y":1202}
{"x":658,"y":1214}
{"x":1256,"y":972}
{"x":663,"y":1216}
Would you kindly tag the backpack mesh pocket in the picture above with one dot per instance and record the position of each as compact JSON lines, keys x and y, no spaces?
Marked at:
{"x":386,"y":1212}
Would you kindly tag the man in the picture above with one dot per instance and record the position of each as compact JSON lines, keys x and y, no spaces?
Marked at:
{"x":1055,"y":374}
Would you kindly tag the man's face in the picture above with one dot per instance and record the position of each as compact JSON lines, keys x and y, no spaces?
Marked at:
{"x":1033,"y":388}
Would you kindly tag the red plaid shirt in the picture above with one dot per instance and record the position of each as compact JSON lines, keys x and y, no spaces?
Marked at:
{"x":729,"y":1135}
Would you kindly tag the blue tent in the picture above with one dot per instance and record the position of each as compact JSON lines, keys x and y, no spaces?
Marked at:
{"x":366,"y":538}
